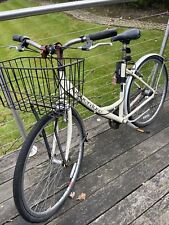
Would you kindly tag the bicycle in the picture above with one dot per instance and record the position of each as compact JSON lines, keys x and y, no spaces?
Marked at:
{"x":51,"y":86}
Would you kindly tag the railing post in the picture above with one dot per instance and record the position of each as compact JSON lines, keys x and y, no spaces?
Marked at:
{"x":10,"y":103}
{"x":165,"y":39}
{"x":19,"y":123}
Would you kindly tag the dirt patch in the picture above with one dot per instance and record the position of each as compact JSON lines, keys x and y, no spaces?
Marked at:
{"x":120,"y":22}
{"x":121,"y":16}
{"x":154,"y":14}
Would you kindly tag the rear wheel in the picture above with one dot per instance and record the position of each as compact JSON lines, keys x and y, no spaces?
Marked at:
{"x":153,"y":71}
{"x":43,"y":182}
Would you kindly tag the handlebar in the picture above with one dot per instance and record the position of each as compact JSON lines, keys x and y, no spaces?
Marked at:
{"x":92,"y":37}
{"x":25,"y":41}
{"x":19,"y":38}
{"x":102,"y":34}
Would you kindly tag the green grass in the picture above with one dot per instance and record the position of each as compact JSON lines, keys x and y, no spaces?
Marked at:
{"x":51,"y":28}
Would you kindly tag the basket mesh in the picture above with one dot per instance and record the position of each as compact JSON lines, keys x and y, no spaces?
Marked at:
{"x":40,"y":83}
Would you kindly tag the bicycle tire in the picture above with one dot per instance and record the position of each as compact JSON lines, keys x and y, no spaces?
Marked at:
{"x":42,"y":185}
{"x":149,"y":68}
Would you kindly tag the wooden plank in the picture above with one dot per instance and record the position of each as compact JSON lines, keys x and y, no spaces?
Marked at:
{"x":103,"y":198}
{"x":138,"y":202}
{"x":93,"y":127}
{"x":160,"y":139}
{"x":90,"y":163}
{"x":114,"y":191}
{"x":156,"y":215}
{"x":6,"y":163}
{"x":101,"y":149}
{"x":111,"y":170}
{"x":7,"y":211}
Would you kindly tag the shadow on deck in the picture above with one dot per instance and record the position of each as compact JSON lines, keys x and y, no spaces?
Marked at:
{"x":125,"y":176}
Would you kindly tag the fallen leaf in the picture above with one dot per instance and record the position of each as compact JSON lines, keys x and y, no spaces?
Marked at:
{"x":72,"y":194}
{"x":81,"y":197}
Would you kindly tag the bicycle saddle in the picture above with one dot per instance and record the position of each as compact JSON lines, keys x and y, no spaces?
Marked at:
{"x":127,"y":36}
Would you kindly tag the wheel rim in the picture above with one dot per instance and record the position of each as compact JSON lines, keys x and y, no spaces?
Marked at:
{"x":138,"y":92}
{"x":46,"y":185}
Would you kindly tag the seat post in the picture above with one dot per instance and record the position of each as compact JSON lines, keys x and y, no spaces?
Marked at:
{"x":126,"y":51}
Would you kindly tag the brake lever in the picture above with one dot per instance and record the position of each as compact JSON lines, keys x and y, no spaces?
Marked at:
{"x":19,"y":48}
{"x":87,"y":46}
{"x":90,"y":46}
{"x":100,"y":44}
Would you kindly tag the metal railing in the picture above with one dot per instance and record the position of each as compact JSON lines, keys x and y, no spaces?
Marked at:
{"x":39,"y":10}
{"x":165,"y":39}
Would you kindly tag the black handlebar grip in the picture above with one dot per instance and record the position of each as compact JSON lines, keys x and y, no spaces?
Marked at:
{"x":102,"y":34}
{"x":20,"y":38}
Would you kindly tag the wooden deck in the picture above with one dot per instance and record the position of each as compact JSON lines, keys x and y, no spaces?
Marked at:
{"x":125,"y":176}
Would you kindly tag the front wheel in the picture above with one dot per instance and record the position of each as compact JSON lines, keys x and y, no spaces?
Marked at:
{"x":43,"y":182}
{"x":152,"y":70}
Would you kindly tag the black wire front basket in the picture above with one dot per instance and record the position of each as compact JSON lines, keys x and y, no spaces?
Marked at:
{"x":41,"y":84}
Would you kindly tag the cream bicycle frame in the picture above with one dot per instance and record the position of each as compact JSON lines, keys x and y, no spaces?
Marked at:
{"x":122,"y":117}
{"x":121,"y":102}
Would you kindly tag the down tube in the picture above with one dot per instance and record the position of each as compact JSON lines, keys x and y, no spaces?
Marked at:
{"x":99,"y":110}
{"x":74,"y":93}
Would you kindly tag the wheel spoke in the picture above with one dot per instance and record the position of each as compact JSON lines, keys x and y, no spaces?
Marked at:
{"x":153,"y":72}
{"x":41,"y":185}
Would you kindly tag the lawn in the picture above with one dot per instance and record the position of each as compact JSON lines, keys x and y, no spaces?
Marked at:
{"x":51,"y":28}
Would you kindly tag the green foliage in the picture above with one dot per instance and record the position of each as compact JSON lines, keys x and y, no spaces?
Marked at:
{"x":150,"y":3}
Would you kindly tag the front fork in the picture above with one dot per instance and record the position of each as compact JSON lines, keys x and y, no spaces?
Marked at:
{"x":56,"y":140}
{"x":67,"y":115}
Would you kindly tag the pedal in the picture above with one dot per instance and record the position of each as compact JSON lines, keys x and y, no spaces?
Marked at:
{"x":140,"y":130}
{"x":114,"y":124}
{"x":143,"y":131}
